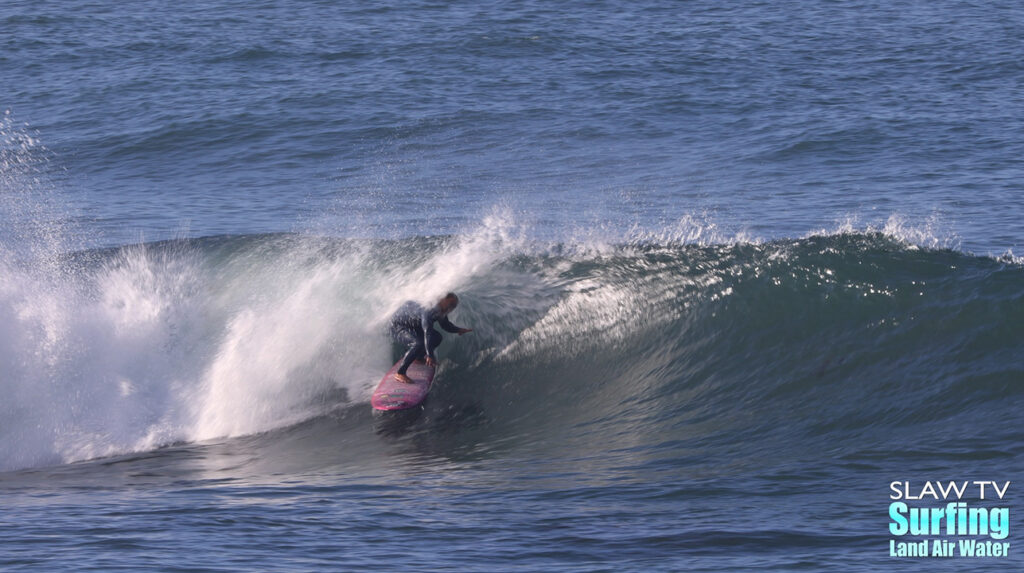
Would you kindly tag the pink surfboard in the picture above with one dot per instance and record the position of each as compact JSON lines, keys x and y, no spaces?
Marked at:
{"x":394,"y":395}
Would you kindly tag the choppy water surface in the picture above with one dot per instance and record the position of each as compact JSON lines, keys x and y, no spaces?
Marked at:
{"x":732,"y":271}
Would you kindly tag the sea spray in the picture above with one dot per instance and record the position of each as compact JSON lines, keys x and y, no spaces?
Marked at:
{"x":294,"y":332}
{"x":134,"y":348}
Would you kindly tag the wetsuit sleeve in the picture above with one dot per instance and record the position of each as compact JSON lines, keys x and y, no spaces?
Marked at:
{"x":447,"y":325}
{"x":426,"y":318}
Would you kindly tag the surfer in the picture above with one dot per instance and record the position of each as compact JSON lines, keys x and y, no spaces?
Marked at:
{"x":413,"y":326}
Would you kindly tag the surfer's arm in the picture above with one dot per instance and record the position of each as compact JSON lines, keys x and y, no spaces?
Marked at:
{"x":427,"y":318}
{"x":447,"y":325}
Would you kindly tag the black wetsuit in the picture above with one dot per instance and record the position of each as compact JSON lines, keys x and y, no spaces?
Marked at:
{"x":413,"y":326}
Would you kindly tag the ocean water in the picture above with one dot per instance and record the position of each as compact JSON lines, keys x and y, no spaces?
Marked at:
{"x":733,"y":270}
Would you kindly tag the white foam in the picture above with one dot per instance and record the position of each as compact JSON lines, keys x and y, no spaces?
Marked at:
{"x":931,"y":232}
{"x":161,"y":343}
{"x":294,"y":333}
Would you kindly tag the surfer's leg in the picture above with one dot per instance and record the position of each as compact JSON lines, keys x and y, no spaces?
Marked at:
{"x":416,"y":350}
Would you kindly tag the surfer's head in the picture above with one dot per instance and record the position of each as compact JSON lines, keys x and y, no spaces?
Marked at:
{"x":448,"y":302}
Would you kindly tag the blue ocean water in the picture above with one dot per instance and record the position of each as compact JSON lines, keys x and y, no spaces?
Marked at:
{"x":732,"y":269}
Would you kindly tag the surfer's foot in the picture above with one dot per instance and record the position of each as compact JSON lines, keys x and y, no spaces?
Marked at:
{"x":403,"y":378}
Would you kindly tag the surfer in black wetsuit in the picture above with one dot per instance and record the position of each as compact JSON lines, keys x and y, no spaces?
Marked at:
{"x":413,"y":326}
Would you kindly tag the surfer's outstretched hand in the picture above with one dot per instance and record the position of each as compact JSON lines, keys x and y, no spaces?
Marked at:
{"x":464,"y":331}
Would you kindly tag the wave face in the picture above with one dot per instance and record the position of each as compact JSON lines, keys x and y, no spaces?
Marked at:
{"x":835,"y":341}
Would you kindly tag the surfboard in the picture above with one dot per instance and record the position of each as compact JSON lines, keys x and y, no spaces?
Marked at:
{"x":394,"y":395}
